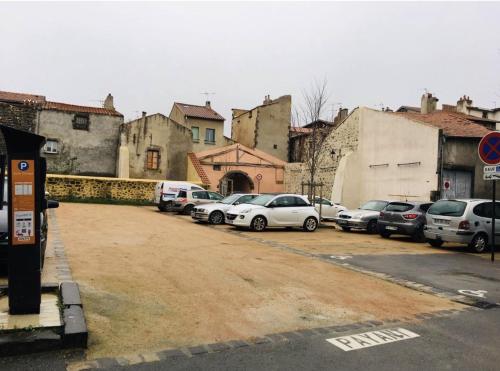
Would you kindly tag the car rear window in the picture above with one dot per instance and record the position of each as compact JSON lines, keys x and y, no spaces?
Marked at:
{"x":425,"y":207}
{"x":398,"y":207}
{"x":447,"y":208}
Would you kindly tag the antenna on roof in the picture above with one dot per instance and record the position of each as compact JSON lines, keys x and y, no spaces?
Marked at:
{"x":101,"y":101}
{"x":207,"y":94}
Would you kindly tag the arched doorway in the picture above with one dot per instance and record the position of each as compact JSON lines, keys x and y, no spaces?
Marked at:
{"x":235,"y":181}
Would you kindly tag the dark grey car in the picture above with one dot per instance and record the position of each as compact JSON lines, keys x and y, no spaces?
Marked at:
{"x":406,"y":218}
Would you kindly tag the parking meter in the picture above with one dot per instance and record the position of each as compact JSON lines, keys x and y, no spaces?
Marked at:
{"x":25,"y":185}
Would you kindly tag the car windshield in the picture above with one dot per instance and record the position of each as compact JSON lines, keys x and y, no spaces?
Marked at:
{"x":229,"y":199}
{"x":447,"y":208}
{"x":262,"y":200}
{"x":374,"y":205}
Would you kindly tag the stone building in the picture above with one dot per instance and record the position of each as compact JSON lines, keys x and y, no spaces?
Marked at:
{"x":400,"y":155}
{"x":236,"y":168}
{"x":80,"y":140}
{"x":206,"y":125}
{"x":154,"y":147}
{"x":265,"y":127}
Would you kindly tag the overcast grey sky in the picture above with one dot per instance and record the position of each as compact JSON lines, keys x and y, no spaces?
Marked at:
{"x":150,"y":55}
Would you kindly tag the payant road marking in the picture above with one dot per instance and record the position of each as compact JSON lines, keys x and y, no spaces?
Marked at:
{"x":340,"y":257}
{"x":371,"y":339}
{"x":476,"y":293}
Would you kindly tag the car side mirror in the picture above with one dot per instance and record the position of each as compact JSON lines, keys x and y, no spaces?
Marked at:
{"x":52,"y":204}
{"x":236,"y":203}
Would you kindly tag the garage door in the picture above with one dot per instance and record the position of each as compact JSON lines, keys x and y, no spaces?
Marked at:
{"x":457,"y":184}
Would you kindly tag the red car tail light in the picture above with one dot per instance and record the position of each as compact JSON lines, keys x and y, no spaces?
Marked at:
{"x":464,"y":224}
{"x":182,"y":199}
{"x":410,"y":216}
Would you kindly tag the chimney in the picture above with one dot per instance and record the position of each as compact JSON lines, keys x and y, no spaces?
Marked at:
{"x":267,"y":99}
{"x":143,"y":114}
{"x":463,"y":104}
{"x":108,"y":102}
{"x":428,"y":103}
{"x":207,"y":104}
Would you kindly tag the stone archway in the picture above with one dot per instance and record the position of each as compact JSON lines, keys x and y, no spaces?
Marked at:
{"x":236,"y":181}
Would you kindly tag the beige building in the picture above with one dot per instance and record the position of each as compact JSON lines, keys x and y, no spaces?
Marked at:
{"x":154,"y":147}
{"x":400,"y":155}
{"x":207,"y":126}
{"x":265,"y":127}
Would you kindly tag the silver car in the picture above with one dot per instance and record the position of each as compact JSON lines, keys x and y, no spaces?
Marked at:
{"x":364,"y":217}
{"x":216,"y":213}
{"x":464,"y":221}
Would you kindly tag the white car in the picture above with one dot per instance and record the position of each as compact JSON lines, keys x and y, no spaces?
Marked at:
{"x":216,"y":213}
{"x":329,"y":209}
{"x":270,"y":210}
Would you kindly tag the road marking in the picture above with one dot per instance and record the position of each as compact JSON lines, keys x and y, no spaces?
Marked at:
{"x":340,"y":257}
{"x":476,"y":293}
{"x":371,"y":339}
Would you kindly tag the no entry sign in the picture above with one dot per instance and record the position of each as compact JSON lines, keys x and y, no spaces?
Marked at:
{"x":489,"y":148}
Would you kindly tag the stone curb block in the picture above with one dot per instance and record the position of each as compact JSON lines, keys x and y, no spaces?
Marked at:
{"x":75,"y":328}
{"x":70,"y":294}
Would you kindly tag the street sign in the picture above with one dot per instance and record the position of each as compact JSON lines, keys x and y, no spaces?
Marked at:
{"x":258,"y":177}
{"x":489,"y":152}
{"x":489,"y":148}
{"x":447,"y":184}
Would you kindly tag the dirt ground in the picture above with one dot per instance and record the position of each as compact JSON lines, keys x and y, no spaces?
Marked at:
{"x":151,"y":281}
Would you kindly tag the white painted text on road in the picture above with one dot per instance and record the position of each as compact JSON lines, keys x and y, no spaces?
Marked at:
{"x":372,"y":338}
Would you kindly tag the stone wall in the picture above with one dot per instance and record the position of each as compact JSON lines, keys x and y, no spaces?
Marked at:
{"x":342,"y":140}
{"x":72,"y":187}
{"x":18,"y":116}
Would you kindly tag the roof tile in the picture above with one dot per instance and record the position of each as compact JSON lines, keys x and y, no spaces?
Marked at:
{"x":199,"y":169}
{"x":202,"y":112}
{"x":21,"y":97}
{"x":56,"y":106}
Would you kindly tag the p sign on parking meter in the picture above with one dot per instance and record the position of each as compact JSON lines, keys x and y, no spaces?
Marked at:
{"x":489,"y":153}
{"x":23,"y":202}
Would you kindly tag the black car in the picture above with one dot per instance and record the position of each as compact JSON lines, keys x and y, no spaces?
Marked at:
{"x":406,"y":218}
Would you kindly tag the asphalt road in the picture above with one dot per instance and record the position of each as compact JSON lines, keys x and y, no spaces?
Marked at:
{"x":464,"y":341}
{"x":449,"y":272}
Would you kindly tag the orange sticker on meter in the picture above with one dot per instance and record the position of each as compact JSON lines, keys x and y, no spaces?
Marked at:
{"x":23,"y":202}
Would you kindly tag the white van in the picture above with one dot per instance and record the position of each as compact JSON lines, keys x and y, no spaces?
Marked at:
{"x":167,"y":190}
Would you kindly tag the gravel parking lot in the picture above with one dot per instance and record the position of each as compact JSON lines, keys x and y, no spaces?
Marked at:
{"x":153,"y":280}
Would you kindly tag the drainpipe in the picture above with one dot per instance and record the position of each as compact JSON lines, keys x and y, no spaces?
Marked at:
{"x":441,"y":142}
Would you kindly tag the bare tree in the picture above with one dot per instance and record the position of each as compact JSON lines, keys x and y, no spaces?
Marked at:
{"x":312,"y":111}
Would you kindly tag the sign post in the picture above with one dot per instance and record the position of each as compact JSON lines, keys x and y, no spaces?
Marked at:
{"x":489,"y":153}
{"x":259,"y":178}
{"x":25,"y":197}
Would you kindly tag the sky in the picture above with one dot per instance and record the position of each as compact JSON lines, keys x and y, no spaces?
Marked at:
{"x":149,"y":55}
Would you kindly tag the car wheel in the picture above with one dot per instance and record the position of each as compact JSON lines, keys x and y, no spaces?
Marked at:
{"x":216,"y":217}
{"x":346,"y":229}
{"x":372,"y":227}
{"x":435,"y":243}
{"x":385,"y":234}
{"x":259,"y":223}
{"x":479,"y":243}
{"x":162,"y":208}
{"x":310,"y":224}
{"x":187,"y":209}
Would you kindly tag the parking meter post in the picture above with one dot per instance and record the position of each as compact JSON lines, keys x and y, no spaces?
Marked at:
{"x":25,"y":196}
{"x":494,"y":182}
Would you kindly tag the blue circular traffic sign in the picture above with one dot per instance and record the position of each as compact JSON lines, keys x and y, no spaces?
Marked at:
{"x":489,"y":148}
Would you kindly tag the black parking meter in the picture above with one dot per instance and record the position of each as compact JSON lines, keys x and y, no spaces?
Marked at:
{"x":25,"y":195}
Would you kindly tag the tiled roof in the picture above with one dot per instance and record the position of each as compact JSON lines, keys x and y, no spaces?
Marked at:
{"x":453,"y":124}
{"x":238,"y":146}
{"x":199,"y":169}
{"x":8,"y":96}
{"x":202,"y":112}
{"x":56,"y":106}
{"x":408,"y":109}
{"x":295,"y":129}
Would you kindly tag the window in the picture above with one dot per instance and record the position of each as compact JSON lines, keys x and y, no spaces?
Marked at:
{"x":286,"y":201}
{"x":203,"y":195}
{"x":322,"y":201}
{"x":275,"y":146}
{"x":300,"y":202}
{"x":217,"y":168}
{"x":196,"y":133}
{"x":51,"y":146}
{"x":153,"y":159}
{"x":448,"y":208}
{"x":81,"y":122}
{"x":210,"y":136}
{"x":374,"y":205}
{"x":215,"y":196}
{"x":425,"y":207}
{"x":246,"y":199}
{"x":485,"y":210}
{"x":399,"y":207}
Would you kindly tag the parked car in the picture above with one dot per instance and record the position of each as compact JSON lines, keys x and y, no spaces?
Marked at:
{"x":4,"y":231}
{"x":271,"y":210}
{"x":407,"y":218}
{"x":464,"y":221}
{"x":365,"y":217}
{"x":329,"y":209}
{"x":216,"y":213}
{"x":167,"y":191}
{"x":187,"y":200}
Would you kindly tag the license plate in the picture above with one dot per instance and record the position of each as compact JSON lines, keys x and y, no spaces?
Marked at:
{"x":229,"y":221}
{"x":391,"y":228}
{"x":340,"y":221}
